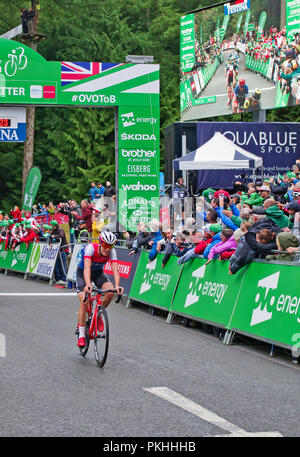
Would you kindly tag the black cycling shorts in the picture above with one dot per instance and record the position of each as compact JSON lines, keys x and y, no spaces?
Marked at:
{"x":97,"y":277}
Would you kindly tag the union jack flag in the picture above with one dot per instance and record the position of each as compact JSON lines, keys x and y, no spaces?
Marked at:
{"x":76,"y":71}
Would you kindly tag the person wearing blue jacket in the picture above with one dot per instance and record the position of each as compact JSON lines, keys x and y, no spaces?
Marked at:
{"x":155,"y":227}
{"x":215,"y":228}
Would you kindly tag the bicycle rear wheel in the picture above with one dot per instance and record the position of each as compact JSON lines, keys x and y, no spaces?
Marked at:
{"x":83,"y":350}
{"x":101,"y":340}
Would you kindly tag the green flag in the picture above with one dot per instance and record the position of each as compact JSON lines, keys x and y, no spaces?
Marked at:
{"x":247,"y":20}
{"x":261,"y":24}
{"x":31,"y":188}
{"x":239,"y":23}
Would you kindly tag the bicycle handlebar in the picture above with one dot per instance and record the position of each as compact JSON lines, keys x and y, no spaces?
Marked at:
{"x":103,"y":291}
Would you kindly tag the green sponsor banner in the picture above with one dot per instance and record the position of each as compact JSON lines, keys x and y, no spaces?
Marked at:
{"x":187,"y":42}
{"x":153,"y":284}
{"x":207,"y":292}
{"x":138,"y":165}
{"x":17,"y":259}
{"x":27,"y":78}
{"x":261,"y":24}
{"x":269,"y":303}
{"x":31,"y":187}
{"x":292,"y":18}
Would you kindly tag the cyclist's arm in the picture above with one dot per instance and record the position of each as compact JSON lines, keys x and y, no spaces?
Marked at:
{"x":87,"y":273}
{"x":116,"y":274}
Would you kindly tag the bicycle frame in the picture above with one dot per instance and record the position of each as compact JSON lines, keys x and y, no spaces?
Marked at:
{"x":93,"y":303}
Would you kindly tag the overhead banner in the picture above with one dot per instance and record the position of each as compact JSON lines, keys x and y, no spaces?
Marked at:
{"x":277,"y":143}
{"x":31,"y":188}
{"x":27,"y":78}
{"x":236,"y":7}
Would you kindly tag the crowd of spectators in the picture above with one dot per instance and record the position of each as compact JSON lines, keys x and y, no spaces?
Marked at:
{"x":260,"y":219}
{"x":286,"y":58}
{"x":83,"y":221}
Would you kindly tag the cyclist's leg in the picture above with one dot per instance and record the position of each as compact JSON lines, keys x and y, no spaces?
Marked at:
{"x":102,"y":282}
{"x":80,"y":284}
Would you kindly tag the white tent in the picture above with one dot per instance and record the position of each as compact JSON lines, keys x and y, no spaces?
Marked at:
{"x":218,"y":153}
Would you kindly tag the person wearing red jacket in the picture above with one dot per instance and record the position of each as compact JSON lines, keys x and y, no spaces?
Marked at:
{"x":31,"y":236}
{"x":86,"y":215}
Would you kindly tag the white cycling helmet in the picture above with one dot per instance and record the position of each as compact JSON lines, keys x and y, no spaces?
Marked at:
{"x":107,"y":237}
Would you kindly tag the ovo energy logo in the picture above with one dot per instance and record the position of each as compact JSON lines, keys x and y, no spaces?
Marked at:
{"x":211,"y":289}
{"x":285,"y":304}
{"x":35,"y":257}
{"x":261,"y":314}
{"x":151,"y":278}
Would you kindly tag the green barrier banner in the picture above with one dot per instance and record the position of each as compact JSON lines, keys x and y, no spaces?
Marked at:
{"x":154,"y":285}
{"x":207,"y":292}
{"x":17,"y":259}
{"x":269,"y":303}
{"x":282,"y":99}
{"x":32,"y":185}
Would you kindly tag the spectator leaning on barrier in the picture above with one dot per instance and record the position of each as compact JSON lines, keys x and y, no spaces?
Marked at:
{"x":60,"y":268}
{"x":215,"y":230}
{"x":275,"y":214}
{"x":200,"y":248}
{"x":177,"y":246}
{"x":227,"y":244}
{"x":155,"y":227}
{"x":167,"y":238}
{"x":284,"y":241}
{"x":244,"y":253}
{"x":142,"y":239}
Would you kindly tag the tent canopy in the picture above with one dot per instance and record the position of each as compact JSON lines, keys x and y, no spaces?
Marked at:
{"x":218,"y":153}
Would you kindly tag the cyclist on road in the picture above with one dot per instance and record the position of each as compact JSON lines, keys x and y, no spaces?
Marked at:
{"x":241,"y":92}
{"x":94,"y":256}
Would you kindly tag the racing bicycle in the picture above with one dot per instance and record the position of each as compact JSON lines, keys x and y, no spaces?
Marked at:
{"x":97,"y":327}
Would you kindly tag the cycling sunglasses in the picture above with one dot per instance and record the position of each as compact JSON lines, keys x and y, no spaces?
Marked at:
{"x":107,"y":246}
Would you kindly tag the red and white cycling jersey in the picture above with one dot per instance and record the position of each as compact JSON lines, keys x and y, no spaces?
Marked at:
{"x":91,"y":251}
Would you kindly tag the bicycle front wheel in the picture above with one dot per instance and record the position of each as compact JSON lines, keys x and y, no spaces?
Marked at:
{"x":101,"y":339}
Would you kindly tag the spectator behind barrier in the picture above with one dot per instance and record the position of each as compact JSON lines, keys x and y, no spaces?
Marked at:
{"x":284,"y":240}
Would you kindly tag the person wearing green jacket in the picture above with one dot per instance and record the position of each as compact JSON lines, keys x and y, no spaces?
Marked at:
{"x":284,"y":241}
{"x":274,"y":213}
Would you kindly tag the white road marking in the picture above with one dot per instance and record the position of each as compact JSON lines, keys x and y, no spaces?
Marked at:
{"x":203,"y":413}
{"x":33,"y":294}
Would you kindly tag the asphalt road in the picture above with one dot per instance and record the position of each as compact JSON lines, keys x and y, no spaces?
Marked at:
{"x":202,"y":387}
{"x":217,"y":86}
